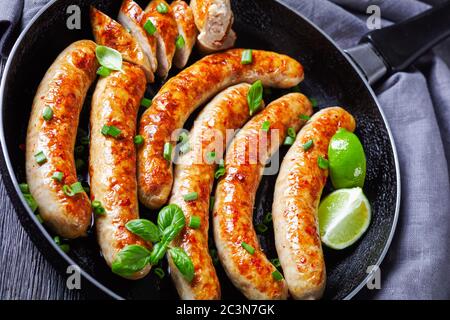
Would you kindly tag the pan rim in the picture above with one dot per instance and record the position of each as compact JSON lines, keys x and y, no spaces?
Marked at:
{"x":11,"y":178}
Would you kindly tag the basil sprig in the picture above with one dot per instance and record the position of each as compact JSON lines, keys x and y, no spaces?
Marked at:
{"x":134,"y":258}
{"x":183,"y":262}
{"x":130,"y":259}
{"x":145,"y":229}
{"x":254,"y":97}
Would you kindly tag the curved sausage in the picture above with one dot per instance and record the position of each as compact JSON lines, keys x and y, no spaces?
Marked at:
{"x":186,"y":29}
{"x":233,"y":228}
{"x":182,"y":94}
{"x":110,"y":33}
{"x":166,"y":35}
{"x":133,"y":17}
{"x":63,"y":90}
{"x":112,"y":161}
{"x":296,"y":199}
{"x":214,"y":19}
{"x":195,"y":173}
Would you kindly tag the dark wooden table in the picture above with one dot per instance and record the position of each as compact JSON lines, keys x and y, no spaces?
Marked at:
{"x":25,"y":273}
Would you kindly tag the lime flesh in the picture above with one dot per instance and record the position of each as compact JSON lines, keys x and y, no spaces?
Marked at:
{"x":344,"y":216}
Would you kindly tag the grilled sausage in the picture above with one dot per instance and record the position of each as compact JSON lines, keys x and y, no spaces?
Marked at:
{"x":133,"y":17}
{"x":166,"y":35}
{"x":110,"y":33}
{"x":182,"y":94}
{"x":186,"y":29}
{"x":296,"y":199}
{"x":235,"y":196}
{"x":195,"y":173}
{"x":63,"y":89}
{"x":112,"y":161}
{"x":214,"y":19}
{"x":227,"y":43}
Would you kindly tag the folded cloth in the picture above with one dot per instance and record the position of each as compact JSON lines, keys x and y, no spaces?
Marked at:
{"x":10,"y":13}
{"x":417,"y":105}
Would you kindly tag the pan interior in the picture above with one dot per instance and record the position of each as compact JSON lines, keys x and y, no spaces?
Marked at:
{"x":329,"y":78}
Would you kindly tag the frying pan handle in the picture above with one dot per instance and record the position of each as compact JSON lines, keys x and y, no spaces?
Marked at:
{"x":399,"y":45}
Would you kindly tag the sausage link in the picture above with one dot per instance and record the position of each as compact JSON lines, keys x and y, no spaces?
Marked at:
{"x":195,"y":173}
{"x":63,"y":89}
{"x":112,"y":162}
{"x":296,"y":199}
{"x":182,"y":94}
{"x":186,"y":29}
{"x":235,"y":197}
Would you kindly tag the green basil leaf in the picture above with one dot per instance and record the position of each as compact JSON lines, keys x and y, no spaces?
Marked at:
{"x":254,"y":97}
{"x":130,"y":259}
{"x":158,"y":252}
{"x":109,"y":57}
{"x":145,"y":229}
{"x":171,"y":221}
{"x":183,"y":262}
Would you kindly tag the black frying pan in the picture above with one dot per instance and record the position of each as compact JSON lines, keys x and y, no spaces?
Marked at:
{"x":331,"y":77}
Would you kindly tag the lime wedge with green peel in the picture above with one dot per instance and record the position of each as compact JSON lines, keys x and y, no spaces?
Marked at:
{"x":347,"y":160}
{"x":344,"y":216}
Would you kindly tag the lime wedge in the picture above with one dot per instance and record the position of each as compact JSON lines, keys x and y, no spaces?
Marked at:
{"x":344,"y":216}
{"x":347,"y":160}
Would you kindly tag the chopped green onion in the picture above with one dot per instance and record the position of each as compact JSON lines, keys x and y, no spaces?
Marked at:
{"x":261,"y":228}
{"x":84,"y":141}
{"x":180,"y":43}
{"x":211,"y":156}
{"x":295,"y":88}
{"x":57,"y":240}
{"x":145,"y":102}
{"x":191,"y":196}
{"x":276,"y":262}
{"x":308,"y":144}
{"x":79,"y":164}
{"x":211,"y":203}
{"x":277,"y":275}
{"x":313,"y":102}
{"x":47,"y":114}
{"x":304,"y":117}
{"x":162,"y":8}
{"x":289,"y":141}
{"x":183,"y":137}
{"x":291,"y":132}
{"x":39,"y":218}
{"x":220,"y":170}
{"x":265,"y":126}
{"x":185,"y":147}
{"x":323,"y":163}
{"x":73,"y":189}
{"x":103,"y":71}
{"x":214,"y":257}
{"x":248,"y":247}
{"x":98,"y":208}
{"x":24,"y":188}
{"x":150,"y":27}
{"x":58,"y":176}
{"x":194,"y":223}
{"x":267,"y":218}
{"x":40,"y":157}
{"x":247,"y":56}
{"x":65,"y":247}
{"x":30,"y":201}
{"x":168,"y":151}
{"x":112,"y":131}
{"x":159,"y":272}
{"x":138,"y":140}
{"x":79,"y":150}
{"x":109,"y":57}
